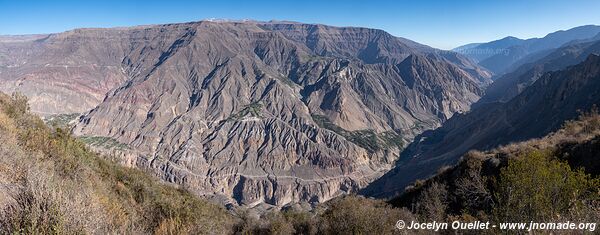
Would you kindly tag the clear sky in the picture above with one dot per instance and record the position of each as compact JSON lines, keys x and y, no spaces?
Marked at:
{"x":438,"y":23}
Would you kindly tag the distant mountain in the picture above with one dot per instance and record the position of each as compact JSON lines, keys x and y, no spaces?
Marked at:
{"x":508,"y":86}
{"x":250,"y":112}
{"x":467,"y":46}
{"x":539,"y":109}
{"x":538,"y":55}
{"x":501,"y":55}
{"x":482,"y":51}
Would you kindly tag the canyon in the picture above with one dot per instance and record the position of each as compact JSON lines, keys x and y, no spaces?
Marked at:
{"x":247,"y":112}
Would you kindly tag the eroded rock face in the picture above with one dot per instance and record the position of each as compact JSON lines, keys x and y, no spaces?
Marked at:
{"x":274,"y":112}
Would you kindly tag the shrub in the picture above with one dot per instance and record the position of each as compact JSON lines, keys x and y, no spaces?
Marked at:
{"x":304,"y":222}
{"x":355,"y":215}
{"x":33,"y":213}
{"x":433,"y":202}
{"x":537,"y":187}
{"x":279,"y":224}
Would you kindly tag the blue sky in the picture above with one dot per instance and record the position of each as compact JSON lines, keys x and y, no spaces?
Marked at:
{"x":441,"y":24}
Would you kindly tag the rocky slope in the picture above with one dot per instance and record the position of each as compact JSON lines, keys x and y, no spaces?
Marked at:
{"x":538,"y":110}
{"x":254,"y":112}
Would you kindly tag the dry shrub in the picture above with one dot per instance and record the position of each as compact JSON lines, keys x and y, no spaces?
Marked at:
{"x":278,"y":222}
{"x":33,"y":213}
{"x":433,"y":202}
{"x":356,"y":215}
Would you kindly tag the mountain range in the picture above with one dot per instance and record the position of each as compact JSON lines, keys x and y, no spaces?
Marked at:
{"x":249,"y":112}
{"x":506,"y":54}
{"x":275,"y":113}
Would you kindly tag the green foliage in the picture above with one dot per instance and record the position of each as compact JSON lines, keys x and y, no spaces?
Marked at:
{"x":278,"y":222}
{"x":391,"y":138}
{"x":61,"y":120}
{"x":535,"y":186}
{"x":366,"y":139}
{"x":540,"y":188}
{"x":345,"y":215}
{"x":161,"y":206}
{"x":104,"y":142}
{"x":324,"y":122}
{"x":303,"y":222}
{"x":536,"y":180}
{"x":254,"y":109}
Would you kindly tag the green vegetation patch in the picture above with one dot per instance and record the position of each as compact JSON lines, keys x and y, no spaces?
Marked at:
{"x":367,"y":139}
{"x":61,"y":120}
{"x":253,"y":109}
{"x":391,"y":138}
{"x":286,"y":81}
{"x":104,"y":142}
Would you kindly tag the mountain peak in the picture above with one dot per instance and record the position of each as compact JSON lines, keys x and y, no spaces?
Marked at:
{"x":510,"y":38}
